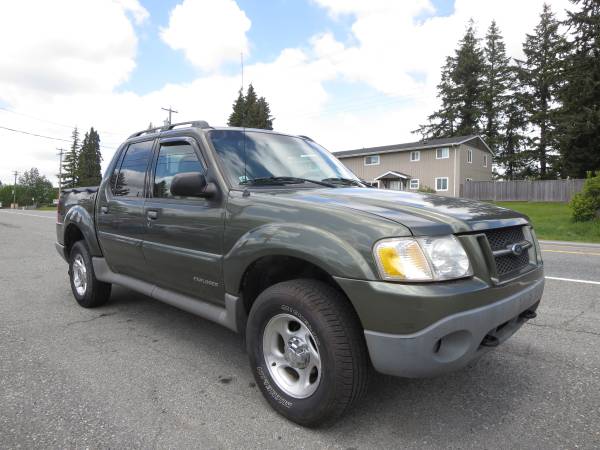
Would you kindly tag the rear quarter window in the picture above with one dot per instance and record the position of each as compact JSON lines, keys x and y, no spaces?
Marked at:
{"x":129,"y":177}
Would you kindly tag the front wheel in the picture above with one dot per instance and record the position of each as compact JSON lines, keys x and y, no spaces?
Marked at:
{"x":307,"y":351}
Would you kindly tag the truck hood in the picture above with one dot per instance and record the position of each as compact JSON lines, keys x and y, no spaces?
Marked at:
{"x":423,"y":214}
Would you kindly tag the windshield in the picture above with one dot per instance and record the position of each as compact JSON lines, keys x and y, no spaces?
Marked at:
{"x":277,"y":159}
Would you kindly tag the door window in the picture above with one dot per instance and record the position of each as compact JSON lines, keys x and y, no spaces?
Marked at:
{"x":129,"y":180}
{"x":172,"y":160}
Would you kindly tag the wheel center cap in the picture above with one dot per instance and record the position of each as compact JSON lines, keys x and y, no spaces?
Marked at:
{"x":297,"y":353}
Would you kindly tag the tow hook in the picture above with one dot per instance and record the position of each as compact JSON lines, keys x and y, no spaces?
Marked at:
{"x":528,"y":314}
{"x":490,"y":341}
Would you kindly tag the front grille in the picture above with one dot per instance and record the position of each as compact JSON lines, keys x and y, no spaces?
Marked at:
{"x":500,"y":239}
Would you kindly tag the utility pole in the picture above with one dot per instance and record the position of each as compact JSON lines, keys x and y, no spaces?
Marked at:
{"x":60,"y":156}
{"x":170,"y":112}
{"x":15,"y":191}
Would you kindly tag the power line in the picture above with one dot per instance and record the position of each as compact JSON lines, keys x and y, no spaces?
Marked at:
{"x":45,"y":137}
{"x":53,"y":123}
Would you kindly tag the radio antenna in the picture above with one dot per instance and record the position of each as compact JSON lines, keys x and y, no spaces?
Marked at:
{"x":243,"y":119}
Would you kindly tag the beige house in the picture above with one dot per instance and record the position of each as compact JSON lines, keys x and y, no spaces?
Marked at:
{"x":440,"y":164}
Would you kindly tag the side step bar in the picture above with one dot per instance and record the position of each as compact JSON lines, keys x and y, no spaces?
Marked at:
{"x":231,"y":316}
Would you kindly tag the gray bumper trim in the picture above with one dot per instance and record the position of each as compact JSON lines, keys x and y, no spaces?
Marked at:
{"x":452,"y":342}
{"x":61,"y":250}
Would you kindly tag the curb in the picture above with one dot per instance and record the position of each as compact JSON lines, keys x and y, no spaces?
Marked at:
{"x":570,"y":243}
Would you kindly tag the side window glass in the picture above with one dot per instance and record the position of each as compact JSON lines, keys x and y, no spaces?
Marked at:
{"x":174,"y":159}
{"x":129,"y":182}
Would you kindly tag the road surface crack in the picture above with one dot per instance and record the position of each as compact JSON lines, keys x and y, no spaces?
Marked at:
{"x":90,"y":320}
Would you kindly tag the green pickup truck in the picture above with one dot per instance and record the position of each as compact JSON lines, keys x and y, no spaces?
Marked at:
{"x":271,"y":236}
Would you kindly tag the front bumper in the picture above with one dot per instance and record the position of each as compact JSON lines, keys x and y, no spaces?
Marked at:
{"x":452,"y":342}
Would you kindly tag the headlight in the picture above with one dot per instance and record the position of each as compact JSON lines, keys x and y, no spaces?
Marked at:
{"x":422,"y":259}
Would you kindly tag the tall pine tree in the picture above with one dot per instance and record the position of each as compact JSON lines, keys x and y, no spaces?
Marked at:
{"x":251,"y":111}
{"x":495,"y":92}
{"x":460,"y":91}
{"x":468,"y":79}
{"x":540,"y":75}
{"x":90,"y":158}
{"x":442,"y":123}
{"x":70,"y":161}
{"x":511,"y":152}
{"x":579,"y":118}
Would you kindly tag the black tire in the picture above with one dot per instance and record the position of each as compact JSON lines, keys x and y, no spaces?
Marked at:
{"x":96,"y":292}
{"x":339,"y":339}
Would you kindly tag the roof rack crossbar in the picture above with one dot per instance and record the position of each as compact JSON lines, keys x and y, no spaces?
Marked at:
{"x":192,"y":123}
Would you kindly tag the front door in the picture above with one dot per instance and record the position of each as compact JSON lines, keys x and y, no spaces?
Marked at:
{"x":184,"y":237}
{"x":120,"y":214}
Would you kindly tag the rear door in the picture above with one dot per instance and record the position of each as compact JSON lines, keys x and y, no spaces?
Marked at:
{"x":184,"y":238}
{"x":120,"y":217}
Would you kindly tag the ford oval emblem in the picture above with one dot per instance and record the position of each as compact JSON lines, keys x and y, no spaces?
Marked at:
{"x":516,"y":249}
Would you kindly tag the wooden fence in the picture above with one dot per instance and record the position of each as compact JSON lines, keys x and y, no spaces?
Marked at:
{"x":522,"y":190}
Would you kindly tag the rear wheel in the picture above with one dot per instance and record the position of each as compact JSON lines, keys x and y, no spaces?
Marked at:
{"x":307,"y":351}
{"x":87,"y":289}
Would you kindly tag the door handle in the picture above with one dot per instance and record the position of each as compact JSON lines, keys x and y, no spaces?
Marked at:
{"x":152,"y":215}
{"x":104,"y":209}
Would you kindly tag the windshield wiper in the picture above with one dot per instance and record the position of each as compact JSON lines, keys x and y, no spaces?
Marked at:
{"x":348,"y":181}
{"x":284,"y":180}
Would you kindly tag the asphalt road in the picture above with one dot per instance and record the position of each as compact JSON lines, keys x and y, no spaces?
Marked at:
{"x":138,"y":373}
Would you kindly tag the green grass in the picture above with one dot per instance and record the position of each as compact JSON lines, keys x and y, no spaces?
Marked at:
{"x":47,"y":208}
{"x":552,"y":221}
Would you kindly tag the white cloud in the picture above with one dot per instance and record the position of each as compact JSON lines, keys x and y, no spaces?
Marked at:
{"x":210,"y":32}
{"x":66,"y":46}
{"x":393,"y":52}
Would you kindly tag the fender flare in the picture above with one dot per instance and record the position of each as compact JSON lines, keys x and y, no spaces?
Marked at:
{"x":79,"y":217}
{"x":314,"y":245}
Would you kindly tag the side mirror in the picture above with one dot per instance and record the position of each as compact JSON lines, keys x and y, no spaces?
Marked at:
{"x":192,"y":184}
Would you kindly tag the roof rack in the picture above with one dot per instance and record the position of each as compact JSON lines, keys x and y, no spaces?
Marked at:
{"x":305,"y":137}
{"x":194,"y":123}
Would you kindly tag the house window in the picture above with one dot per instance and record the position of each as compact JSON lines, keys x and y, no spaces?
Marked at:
{"x":372,"y":160}
{"x":442,"y":153}
{"x":484,"y":160}
{"x":415,"y":156}
{"x":414,"y":183}
{"x":441,"y":184}
{"x":469,"y":155}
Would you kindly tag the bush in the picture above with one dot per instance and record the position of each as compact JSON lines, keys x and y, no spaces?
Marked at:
{"x":426,"y":189}
{"x":585,"y":205}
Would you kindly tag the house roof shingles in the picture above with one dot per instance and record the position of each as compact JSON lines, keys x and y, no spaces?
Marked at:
{"x":430,"y":143}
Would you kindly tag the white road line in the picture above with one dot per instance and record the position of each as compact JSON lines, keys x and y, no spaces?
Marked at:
{"x":32,"y":215}
{"x":573,"y":280}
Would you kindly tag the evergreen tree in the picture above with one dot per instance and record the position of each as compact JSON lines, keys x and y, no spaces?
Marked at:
{"x":495,"y":92}
{"x":251,"y":111}
{"x":88,"y":165}
{"x":511,"y":152}
{"x":236,"y":118}
{"x":540,"y":75}
{"x":442,"y":123}
{"x":263,"y":115}
{"x":468,"y":79}
{"x":579,"y":118}
{"x":460,"y":91}
{"x":70,"y":159}
{"x":250,"y":108}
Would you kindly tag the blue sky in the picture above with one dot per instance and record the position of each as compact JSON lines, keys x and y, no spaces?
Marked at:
{"x":276,"y":24}
{"x":348,"y":73}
